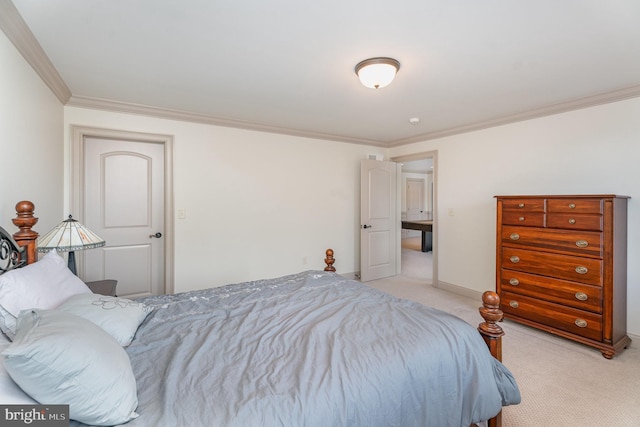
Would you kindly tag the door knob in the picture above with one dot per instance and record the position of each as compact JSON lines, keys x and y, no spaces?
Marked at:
{"x":367,"y":226}
{"x":157,"y":235}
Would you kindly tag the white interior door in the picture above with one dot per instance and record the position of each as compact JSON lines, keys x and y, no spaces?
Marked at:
{"x":415,"y":192}
{"x":378,"y":219}
{"x":124,"y":204}
{"x":415,"y":199}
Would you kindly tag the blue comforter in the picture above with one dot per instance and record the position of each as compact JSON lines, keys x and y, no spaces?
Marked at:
{"x":311,"y":349}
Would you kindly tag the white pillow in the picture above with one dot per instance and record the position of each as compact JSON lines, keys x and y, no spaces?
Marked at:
{"x":120,"y":317}
{"x":60,"y":358}
{"x":44,"y":284}
{"x":7,"y":323}
{"x":10,"y":393}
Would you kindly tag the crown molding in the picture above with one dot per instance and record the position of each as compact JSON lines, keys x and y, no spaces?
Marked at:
{"x":25,"y":42}
{"x":562,"y":107}
{"x":548,"y":110}
{"x":184,"y":116}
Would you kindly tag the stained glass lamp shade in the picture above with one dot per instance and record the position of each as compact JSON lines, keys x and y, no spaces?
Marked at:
{"x":70,"y":236}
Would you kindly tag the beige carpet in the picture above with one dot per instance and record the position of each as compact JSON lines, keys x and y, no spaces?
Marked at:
{"x":414,"y":262}
{"x":563,"y":384}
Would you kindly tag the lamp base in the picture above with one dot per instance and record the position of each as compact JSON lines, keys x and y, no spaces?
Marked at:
{"x":72,"y":262}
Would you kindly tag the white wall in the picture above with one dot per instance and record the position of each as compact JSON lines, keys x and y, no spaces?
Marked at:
{"x":31,"y":132}
{"x":590,"y":151}
{"x":256,"y":203}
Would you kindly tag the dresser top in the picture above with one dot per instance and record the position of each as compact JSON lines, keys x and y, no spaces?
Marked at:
{"x":564,"y":196}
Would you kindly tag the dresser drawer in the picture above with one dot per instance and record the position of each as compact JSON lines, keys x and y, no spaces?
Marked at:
{"x":529,"y":205}
{"x":577,"y":295}
{"x":568,"y":319}
{"x":573,"y":268}
{"x":525,"y":219}
{"x":575,"y":205}
{"x":581,"y":243}
{"x":574,"y":222}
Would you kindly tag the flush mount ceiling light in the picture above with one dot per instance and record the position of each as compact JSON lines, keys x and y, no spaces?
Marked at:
{"x":377,"y":72}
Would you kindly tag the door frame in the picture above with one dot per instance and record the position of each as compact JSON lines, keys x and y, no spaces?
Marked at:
{"x":421,"y":156}
{"x":78,"y":135}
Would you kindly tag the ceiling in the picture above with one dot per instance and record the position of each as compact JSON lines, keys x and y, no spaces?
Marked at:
{"x":287,"y":66}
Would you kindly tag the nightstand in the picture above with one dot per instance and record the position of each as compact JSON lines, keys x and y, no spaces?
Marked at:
{"x":103,"y":287}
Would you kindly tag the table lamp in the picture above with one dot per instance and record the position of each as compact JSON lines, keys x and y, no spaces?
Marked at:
{"x":70,"y":236}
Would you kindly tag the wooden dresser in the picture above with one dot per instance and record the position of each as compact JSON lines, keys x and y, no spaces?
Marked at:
{"x":561,"y":266}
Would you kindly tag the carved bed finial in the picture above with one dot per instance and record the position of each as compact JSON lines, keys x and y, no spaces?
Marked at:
{"x":491,"y":313}
{"x":489,"y":329}
{"x":329,"y":261}
{"x":25,"y":220}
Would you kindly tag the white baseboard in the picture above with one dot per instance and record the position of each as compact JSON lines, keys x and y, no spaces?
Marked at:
{"x":459,"y":290}
{"x":351,"y":276}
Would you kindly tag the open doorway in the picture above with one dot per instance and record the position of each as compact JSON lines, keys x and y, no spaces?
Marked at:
{"x":418,"y":252}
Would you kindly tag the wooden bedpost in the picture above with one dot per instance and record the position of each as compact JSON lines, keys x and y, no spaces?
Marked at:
{"x":492,"y":334}
{"x":489,"y":329}
{"x":329,"y":261}
{"x":25,"y":220}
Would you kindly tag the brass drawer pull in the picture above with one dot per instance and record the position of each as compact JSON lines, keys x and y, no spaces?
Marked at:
{"x":514,"y":282}
{"x":514,"y":304}
{"x":581,"y":296}
{"x":582,"y":243}
{"x":572,"y":205}
{"x":514,"y":236}
{"x":521,"y":218}
{"x":582,"y":270}
{"x":514,"y":259}
{"x":581,"y":323}
{"x":572,"y":221}
{"x":521,"y":205}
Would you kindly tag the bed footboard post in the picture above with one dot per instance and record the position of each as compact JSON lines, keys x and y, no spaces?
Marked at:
{"x":329,"y":261}
{"x":25,"y":220}
{"x":489,"y":329}
{"x":492,"y":334}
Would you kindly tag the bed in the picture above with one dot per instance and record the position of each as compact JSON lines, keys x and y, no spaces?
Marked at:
{"x":306,"y":349}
